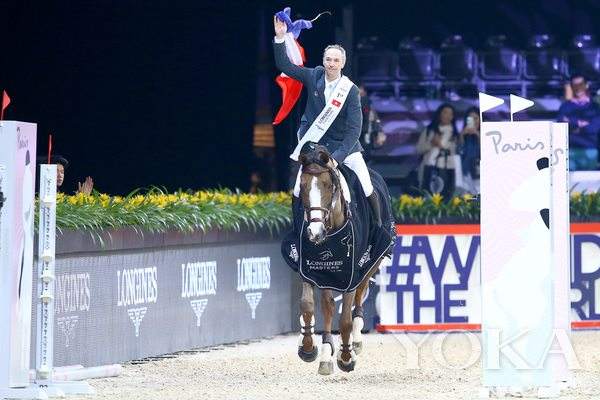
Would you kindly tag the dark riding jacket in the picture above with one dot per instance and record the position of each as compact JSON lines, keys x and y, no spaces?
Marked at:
{"x":341,"y":139}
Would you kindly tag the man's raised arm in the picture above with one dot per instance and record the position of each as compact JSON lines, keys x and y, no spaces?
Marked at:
{"x":282,"y":61}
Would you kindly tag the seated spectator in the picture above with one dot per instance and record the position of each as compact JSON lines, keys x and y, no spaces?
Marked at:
{"x":256,"y":184}
{"x":371,"y":135}
{"x":583,"y":116}
{"x":437,"y":144}
{"x":61,"y":165}
{"x":470,"y":150}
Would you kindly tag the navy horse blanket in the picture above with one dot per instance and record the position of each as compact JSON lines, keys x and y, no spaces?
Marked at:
{"x":346,"y":256}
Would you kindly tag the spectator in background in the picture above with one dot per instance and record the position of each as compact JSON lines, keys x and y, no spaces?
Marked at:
{"x":437,"y":144}
{"x":61,"y":165}
{"x":365,"y":102}
{"x":256,"y":185}
{"x":583,"y":116}
{"x":371,"y":135}
{"x":470,"y":150}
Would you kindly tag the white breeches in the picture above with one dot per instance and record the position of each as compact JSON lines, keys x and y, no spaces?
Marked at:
{"x":356,"y":163}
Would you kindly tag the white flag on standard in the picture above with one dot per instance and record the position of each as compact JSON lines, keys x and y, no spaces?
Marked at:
{"x":519,"y":103}
{"x":487,"y":102}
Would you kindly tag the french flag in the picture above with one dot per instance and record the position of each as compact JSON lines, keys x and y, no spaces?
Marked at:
{"x":291,"y":88}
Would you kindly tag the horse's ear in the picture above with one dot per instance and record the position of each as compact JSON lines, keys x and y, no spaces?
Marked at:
{"x":302,"y":159}
{"x":324,"y":157}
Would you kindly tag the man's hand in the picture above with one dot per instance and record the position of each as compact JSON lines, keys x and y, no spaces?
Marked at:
{"x":86,"y":187}
{"x":280,"y":28}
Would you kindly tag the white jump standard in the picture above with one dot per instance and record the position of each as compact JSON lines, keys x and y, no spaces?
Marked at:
{"x":524,"y":256}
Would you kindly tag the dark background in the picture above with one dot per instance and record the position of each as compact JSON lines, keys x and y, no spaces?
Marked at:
{"x":140,"y":93}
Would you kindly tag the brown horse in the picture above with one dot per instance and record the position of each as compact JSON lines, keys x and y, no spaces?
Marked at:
{"x":325,"y":211}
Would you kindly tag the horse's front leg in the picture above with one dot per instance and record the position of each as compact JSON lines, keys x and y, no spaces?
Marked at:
{"x":357,"y":314}
{"x":346,"y":357}
{"x":307,"y":351}
{"x":327,"y":348}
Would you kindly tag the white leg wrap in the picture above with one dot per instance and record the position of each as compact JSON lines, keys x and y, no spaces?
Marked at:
{"x":357,"y":325}
{"x":303,"y":329}
{"x":326,"y":352}
{"x":312,"y":324}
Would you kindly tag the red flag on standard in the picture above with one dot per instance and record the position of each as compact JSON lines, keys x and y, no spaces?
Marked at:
{"x":5,"y":103}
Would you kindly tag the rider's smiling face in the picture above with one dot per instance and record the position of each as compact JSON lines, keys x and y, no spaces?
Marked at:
{"x":333,"y":61}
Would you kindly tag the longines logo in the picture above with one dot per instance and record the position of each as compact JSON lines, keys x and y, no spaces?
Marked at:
{"x":253,"y":299}
{"x":198,"y":279}
{"x":136,"y":315}
{"x":294,"y":253}
{"x":72,"y":293}
{"x":72,"y":296}
{"x":366,"y":257}
{"x":67,"y":326}
{"x":198,"y":306}
{"x":326,"y":255}
{"x":253,"y":274}
{"x":136,"y":287}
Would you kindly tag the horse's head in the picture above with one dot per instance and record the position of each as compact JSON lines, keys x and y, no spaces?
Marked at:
{"x":320,"y":191}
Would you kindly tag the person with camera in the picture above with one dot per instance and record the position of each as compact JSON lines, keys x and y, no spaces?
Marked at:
{"x":470,"y":150}
{"x":583,"y":116}
{"x":437,"y":144}
{"x":371,"y":136}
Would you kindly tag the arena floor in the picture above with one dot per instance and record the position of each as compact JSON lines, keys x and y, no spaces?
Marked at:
{"x":270,"y":369}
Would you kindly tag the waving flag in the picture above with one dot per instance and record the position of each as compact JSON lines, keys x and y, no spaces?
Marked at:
{"x":291,"y":88}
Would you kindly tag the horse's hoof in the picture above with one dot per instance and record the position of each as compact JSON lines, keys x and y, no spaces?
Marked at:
{"x":326,"y":368}
{"x":346,"y":367}
{"x":308,"y":356}
{"x":358,"y":347}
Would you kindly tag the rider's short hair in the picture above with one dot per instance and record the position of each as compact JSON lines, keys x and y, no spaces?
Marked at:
{"x":335,"y":46}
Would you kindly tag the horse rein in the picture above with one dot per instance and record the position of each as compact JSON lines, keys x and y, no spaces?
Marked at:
{"x":333,"y":172}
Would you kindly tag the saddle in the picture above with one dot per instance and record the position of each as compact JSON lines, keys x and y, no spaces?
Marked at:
{"x":346,"y":256}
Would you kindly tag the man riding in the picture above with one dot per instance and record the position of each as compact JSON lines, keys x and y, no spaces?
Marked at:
{"x":333,"y":115}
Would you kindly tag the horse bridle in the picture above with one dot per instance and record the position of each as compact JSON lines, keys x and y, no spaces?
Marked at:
{"x":326,"y":220}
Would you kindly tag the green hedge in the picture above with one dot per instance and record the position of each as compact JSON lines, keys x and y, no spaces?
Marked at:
{"x":157,"y":211}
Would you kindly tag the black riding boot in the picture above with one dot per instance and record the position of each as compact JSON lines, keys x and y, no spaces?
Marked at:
{"x":374,"y":201}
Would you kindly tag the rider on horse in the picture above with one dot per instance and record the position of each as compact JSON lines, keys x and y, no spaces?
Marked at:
{"x":333,"y":115}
